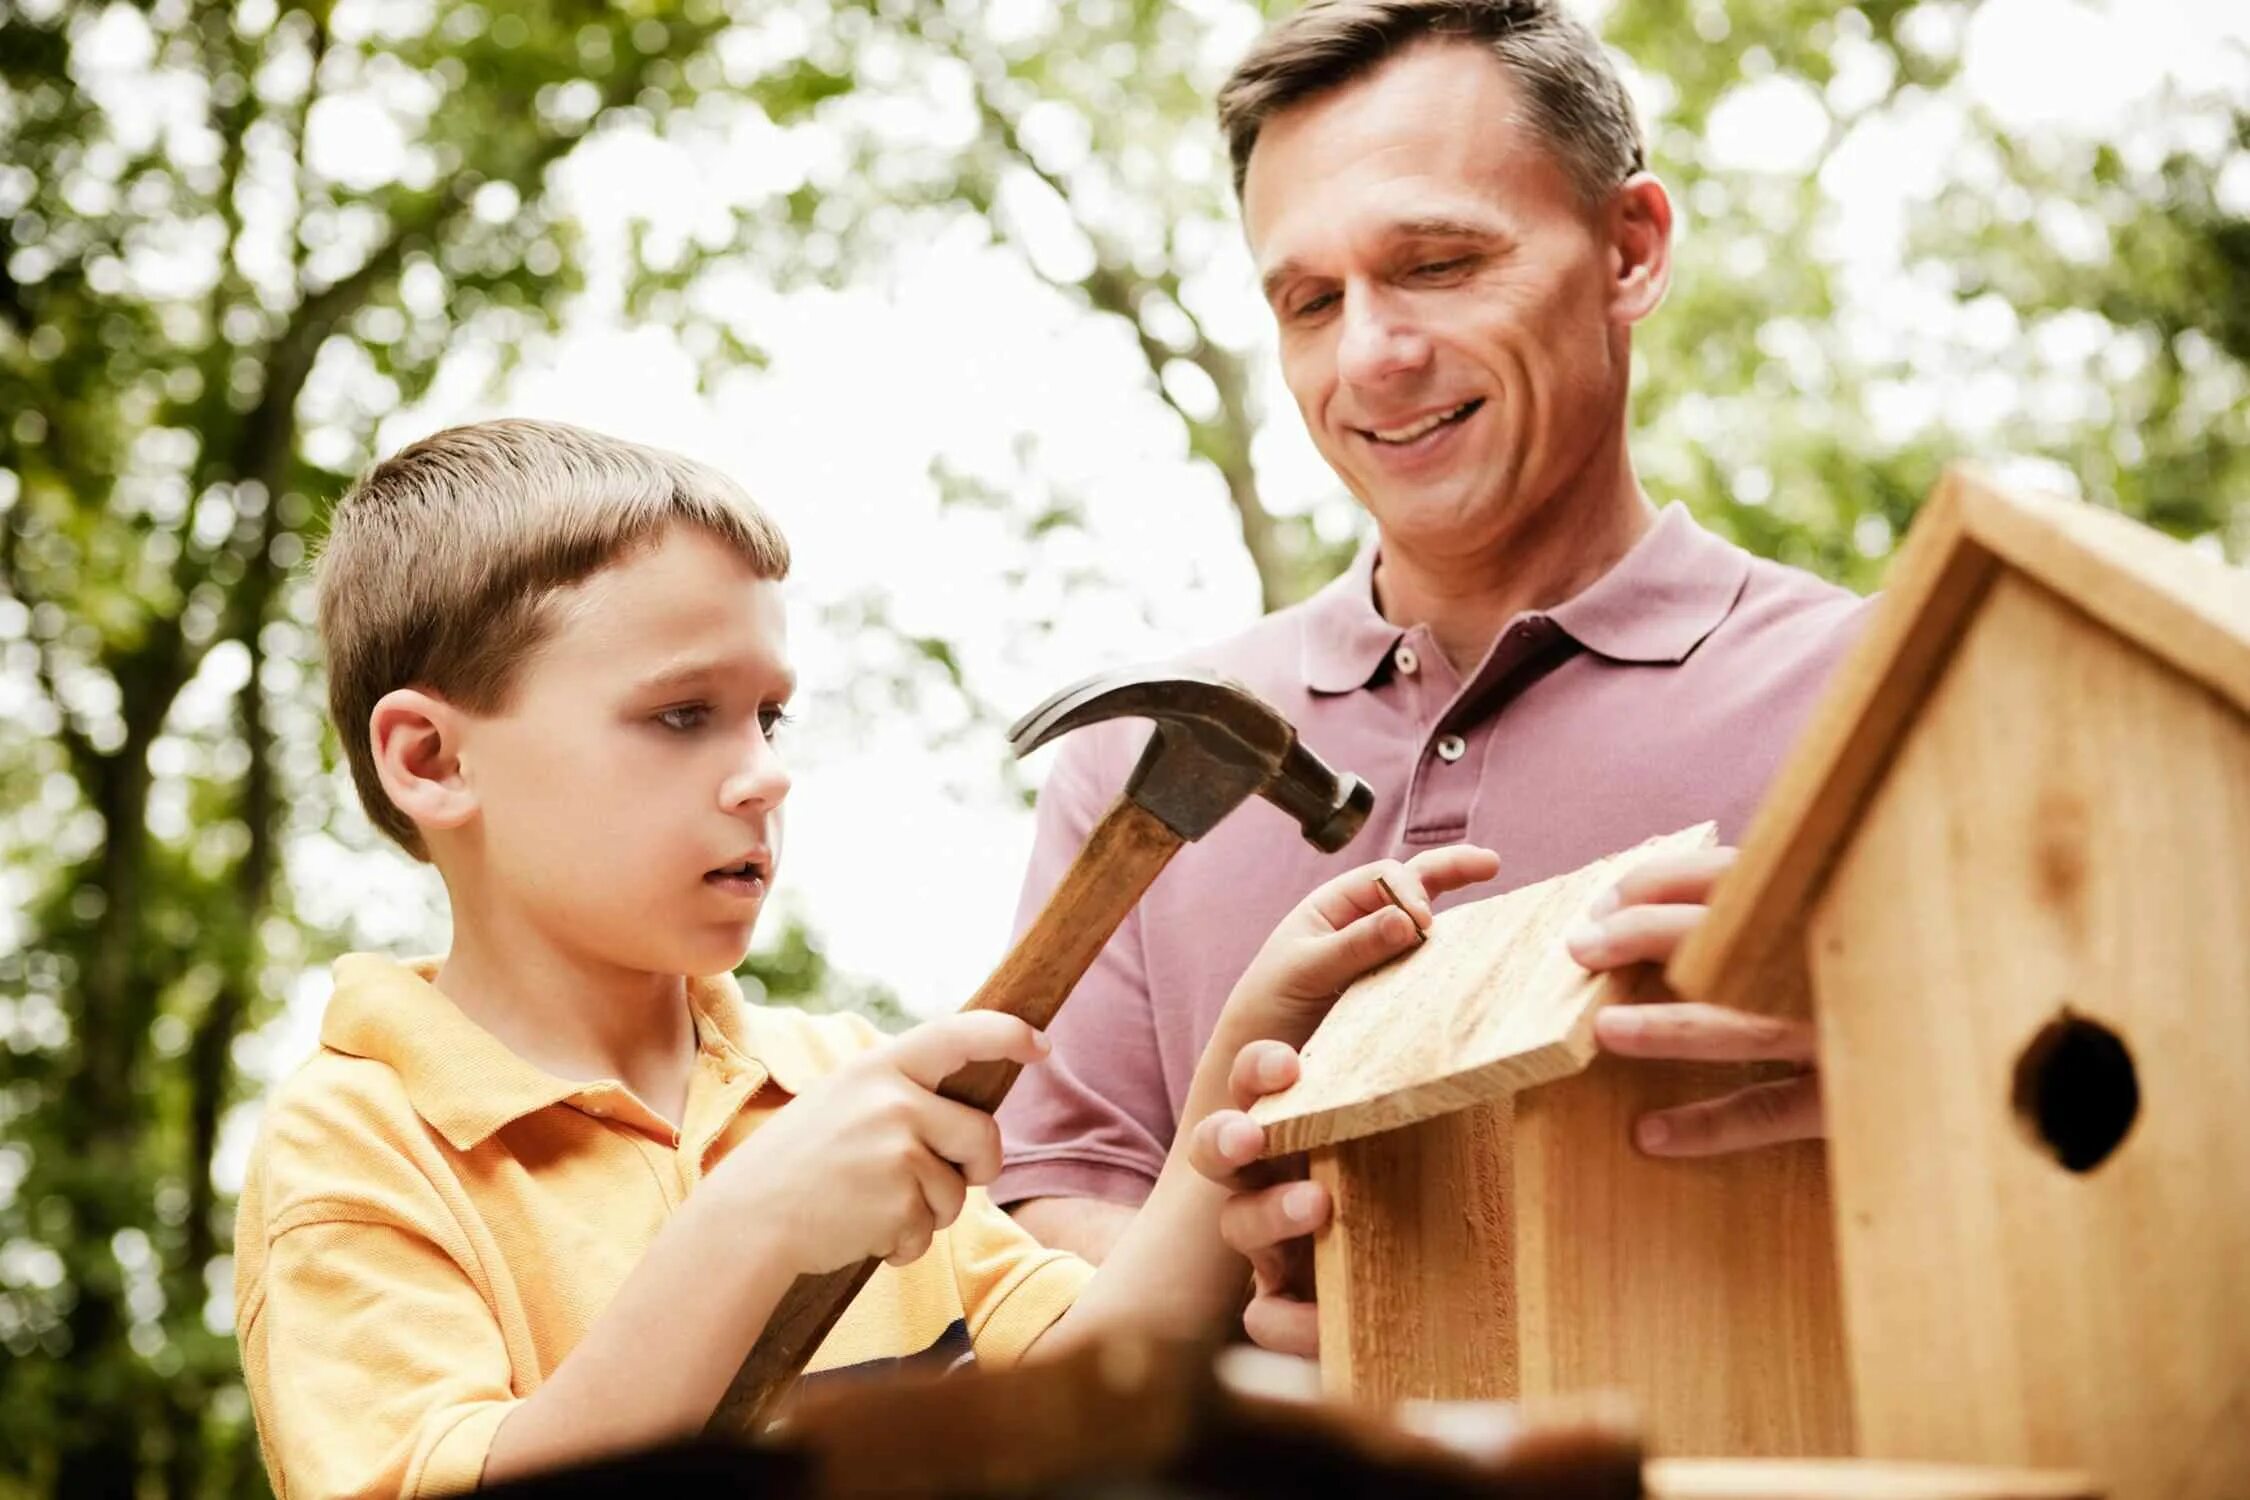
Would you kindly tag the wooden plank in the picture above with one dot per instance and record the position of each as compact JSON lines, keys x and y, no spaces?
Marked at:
{"x":2188,"y":610}
{"x":1854,"y":1479}
{"x":1938,"y":577}
{"x":2068,"y":826}
{"x":1415,"y":1293}
{"x":1705,"y":1290}
{"x":1492,"y":1003}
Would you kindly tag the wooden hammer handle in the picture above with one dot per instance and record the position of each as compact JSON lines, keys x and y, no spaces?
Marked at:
{"x":1126,"y":851}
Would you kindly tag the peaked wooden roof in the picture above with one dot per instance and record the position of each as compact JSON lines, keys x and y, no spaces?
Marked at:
{"x":2187,"y":609}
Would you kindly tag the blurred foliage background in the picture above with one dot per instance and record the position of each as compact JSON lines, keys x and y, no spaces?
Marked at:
{"x":206,"y":313}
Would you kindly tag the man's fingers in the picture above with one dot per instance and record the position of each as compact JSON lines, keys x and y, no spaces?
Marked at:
{"x":935,"y":1050}
{"x":1634,"y":935}
{"x":1682,"y":878}
{"x":1260,"y":1069}
{"x":1282,"y":1324}
{"x":1765,"y":1114}
{"x":1689,"y":1031}
{"x":1258,"y":1221}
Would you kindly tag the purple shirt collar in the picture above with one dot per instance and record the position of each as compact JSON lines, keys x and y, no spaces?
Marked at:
{"x":1654,"y":606}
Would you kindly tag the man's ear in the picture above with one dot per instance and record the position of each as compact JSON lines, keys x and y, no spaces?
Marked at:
{"x":417,"y":742}
{"x":1639,"y":223}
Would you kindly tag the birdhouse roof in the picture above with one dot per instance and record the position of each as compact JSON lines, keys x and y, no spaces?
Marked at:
{"x":2188,"y":610}
{"x":1491,"y":1004}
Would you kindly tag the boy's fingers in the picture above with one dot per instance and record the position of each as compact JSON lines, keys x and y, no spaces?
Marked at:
{"x":1282,"y":1324}
{"x":1260,"y":1069}
{"x":1327,"y":964}
{"x":935,"y":1050}
{"x":943,"y":1191}
{"x":1452,"y":867}
{"x":1633,"y":935}
{"x":1684,"y":877}
{"x":1252,"y":1223}
{"x":965,"y":1137}
{"x":1765,"y":1114}
{"x":1225,"y":1141}
{"x":1689,"y":1031}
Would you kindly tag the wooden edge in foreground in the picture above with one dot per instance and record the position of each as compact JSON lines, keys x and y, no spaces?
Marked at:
{"x":1854,"y":1479}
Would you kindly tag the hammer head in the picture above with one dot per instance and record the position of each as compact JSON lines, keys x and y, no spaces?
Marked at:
{"x":1216,"y":744}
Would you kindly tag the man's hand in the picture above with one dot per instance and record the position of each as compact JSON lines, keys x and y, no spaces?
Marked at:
{"x":1267,"y":1221}
{"x":1643,"y":919}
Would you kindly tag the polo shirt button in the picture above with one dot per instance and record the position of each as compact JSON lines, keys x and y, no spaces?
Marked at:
{"x":1406,"y":660}
{"x":1451,"y":748}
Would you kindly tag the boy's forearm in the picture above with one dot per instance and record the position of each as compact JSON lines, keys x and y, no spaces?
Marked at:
{"x":1169,"y":1272}
{"x":653,"y":1366}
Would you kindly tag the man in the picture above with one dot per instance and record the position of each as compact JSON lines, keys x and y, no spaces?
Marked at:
{"x":1449,"y":211}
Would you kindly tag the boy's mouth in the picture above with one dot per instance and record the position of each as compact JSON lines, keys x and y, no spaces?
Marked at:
{"x":748,"y":877}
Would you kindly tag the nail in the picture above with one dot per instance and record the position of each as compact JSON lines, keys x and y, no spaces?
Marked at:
{"x":1605,"y":903}
{"x":1587,"y":941}
{"x":1300,"y":1203}
{"x":1652,"y":1133}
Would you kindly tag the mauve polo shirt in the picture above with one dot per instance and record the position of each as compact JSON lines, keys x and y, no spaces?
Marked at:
{"x":1663,"y":694}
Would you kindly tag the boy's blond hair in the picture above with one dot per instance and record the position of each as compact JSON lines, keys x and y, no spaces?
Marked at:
{"x":441,"y":560}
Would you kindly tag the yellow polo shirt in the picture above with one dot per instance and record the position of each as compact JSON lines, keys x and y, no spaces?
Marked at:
{"x":430,"y":1224}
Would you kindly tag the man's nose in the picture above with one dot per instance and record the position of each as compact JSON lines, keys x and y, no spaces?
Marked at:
{"x":1377,"y":343}
{"x":758,"y":781}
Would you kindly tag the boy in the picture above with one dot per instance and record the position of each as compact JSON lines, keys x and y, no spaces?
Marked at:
{"x":533,"y":1202}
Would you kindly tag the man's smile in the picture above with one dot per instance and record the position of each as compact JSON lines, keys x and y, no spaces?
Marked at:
{"x":1417,"y":435}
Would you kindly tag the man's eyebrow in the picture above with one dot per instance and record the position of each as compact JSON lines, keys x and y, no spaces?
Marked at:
{"x":1425,"y":227}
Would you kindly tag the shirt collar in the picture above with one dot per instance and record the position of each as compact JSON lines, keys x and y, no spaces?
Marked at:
{"x":466,"y":1083}
{"x":1654,"y":605}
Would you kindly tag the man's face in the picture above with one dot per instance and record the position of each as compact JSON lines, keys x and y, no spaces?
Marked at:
{"x":1442,"y":291}
{"x":629,"y":795}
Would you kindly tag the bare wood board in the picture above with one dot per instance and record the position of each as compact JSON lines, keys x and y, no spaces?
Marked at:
{"x":1490,"y":1005}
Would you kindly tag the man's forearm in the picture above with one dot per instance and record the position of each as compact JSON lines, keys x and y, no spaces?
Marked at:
{"x":1088,"y":1228}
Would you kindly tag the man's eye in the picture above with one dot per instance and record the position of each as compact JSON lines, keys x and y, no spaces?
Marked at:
{"x":685,"y":717}
{"x":1441,"y":270}
{"x":771,"y":721}
{"x":1313,"y":307}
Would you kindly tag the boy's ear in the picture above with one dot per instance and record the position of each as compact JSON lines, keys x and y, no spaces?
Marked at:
{"x":1640,"y":238}
{"x":417,"y":742}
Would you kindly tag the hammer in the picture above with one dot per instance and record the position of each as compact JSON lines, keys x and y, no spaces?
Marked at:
{"x":1216,"y":744}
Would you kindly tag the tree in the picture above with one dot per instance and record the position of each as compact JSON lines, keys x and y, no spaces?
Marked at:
{"x":210,"y":288}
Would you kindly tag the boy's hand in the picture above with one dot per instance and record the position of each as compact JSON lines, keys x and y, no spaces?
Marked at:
{"x":1644,"y":919}
{"x":1338,"y":933}
{"x":872,"y":1162}
{"x":1267,"y":1221}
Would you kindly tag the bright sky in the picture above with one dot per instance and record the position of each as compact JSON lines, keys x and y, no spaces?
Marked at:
{"x":905,"y":858}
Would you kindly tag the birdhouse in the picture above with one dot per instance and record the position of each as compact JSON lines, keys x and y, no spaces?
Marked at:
{"x":2011,"y":854}
{"x":1495,"y":1232}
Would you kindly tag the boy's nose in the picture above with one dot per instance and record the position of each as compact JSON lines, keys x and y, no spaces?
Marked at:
{"x":759,"y":781}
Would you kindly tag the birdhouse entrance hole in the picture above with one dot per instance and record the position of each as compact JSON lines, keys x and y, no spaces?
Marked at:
{"x":2076,"y":1093}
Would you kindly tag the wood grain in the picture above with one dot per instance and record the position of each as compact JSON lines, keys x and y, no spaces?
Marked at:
{"x":1124,"y":853}
{"x":1416,"y":1298}
{"x":1854,"y":1479}
{"x":2068,"y":825}
{"x":1705,"y":1290}
{"x":2183,"y":608}
{"x":1490,"y":1004}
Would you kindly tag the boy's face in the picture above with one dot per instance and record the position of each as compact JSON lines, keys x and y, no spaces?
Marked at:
{"x":628,"y":799}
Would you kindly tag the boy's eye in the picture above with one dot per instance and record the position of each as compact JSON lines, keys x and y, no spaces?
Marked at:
{"x":685,"y":717}
{"x":773,"y":719}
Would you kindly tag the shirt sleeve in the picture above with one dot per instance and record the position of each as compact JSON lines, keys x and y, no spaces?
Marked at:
{"x":374,"y":1365}
{"x":1095,"y":1119}
{"x":1012,"y":1288}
